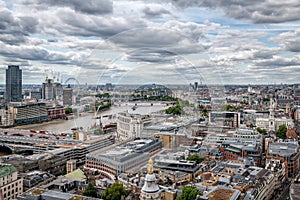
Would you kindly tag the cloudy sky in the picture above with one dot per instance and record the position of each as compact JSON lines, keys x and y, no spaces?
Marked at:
{"x":158,"y":41}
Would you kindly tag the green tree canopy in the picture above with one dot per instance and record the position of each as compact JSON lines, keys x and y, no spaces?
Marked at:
{"x":175,"y":110}
{"x":195,"y":157}
{"x":227,"y":107}
{"x":90,"y":191}
{"x":69,"y":110}
{"x":105,"y":95}
{"x":281,"y":132}
{"x":261,"y":131}
{"x":189,"y":193}
{"x":114,"y":192}
{"x":204,"y":112}
{"x":200,"y":106}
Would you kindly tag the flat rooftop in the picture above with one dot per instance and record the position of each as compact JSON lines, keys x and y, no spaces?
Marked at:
{"x":6,"y":170}
{"x":223,"y":193}
{"x":283,"y":149}
{"x":125,"y":151}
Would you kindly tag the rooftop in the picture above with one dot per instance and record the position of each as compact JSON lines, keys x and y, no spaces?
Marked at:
{"x":76,"y":174}
{"x":6,"y":170}
{"x":126,"y":151}
{"x":223,"y":193}
{"x":284,"y":149}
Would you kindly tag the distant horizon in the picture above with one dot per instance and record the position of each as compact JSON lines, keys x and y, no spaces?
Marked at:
{"x":103,"y":84}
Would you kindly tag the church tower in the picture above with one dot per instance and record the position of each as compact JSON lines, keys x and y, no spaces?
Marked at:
{"x":272,"y":115}
{"x":150,"y":189}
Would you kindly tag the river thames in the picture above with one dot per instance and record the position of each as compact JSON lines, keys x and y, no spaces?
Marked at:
{"x":88,"y":120}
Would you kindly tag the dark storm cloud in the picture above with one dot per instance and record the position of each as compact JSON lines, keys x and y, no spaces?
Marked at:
{"x":159,"y":45}
{"x":151,"y":56}
{"x":152,"y":13}
{"x":148,"y":37}
{"x":290,"y":41}
{"x":64,"y":21}
{"x":174,"y":41}
{"x":30,"y":53}
{"x":14,"y":30}
{"x":258,"y":11}
{"x":93,"y":7}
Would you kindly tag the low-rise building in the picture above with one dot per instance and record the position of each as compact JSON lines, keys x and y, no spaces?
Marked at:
{"x":226,"y":119}
{"x":10,"y":185}
{"x":123,"y":158}
{"x":56,"y":112}
{"x":191,"y":168}
{"x":278,"y":168}
{"x":288,"y":153}
{"x":236,"y":151}
{"x":34,"y":178}
{"x":221,"y":192}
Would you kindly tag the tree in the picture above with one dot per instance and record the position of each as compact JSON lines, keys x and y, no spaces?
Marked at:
{"x":261,"y":131}
{"x":227,"y":107}
{"x":114,"y":192}
{"x":281,"y":132}
{"x":90,"y":191}
{"x":200,"y":106}
{"x":69,"y":110}
{"x":175,"y":110}
{"x":204,"y":112}
{"x":189,"y":193}
{"x":195,"y":157}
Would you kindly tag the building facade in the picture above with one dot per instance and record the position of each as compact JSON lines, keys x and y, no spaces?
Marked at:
{"x":226,"y":119}
{"x":288,"y":153}
{"x":68,"y":96}
{"x":150,"y":190}
{"x":10,"y":185}
{"x":131,"y":125}
{"x":122,"y":158}
{"x":28,"y":113}
{"x":51,"y":90}
{"x":13,"y":84}
{"x":57,"y":112}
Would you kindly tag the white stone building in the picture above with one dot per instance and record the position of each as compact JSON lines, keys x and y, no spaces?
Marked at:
{"x":131,"y":125}
{"x":10,"y":185}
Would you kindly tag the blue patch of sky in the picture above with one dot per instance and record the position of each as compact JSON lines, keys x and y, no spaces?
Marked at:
{"x":286,"y":54}
{"x":201,"y":15}
{"x":89,"y":38}
{"x":9,"y":4}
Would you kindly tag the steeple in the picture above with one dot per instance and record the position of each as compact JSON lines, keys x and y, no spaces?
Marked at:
{"x":150,"y":166}
{"x":150,"y":190}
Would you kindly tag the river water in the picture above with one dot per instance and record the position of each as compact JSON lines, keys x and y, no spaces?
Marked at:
{"x":88,"y":120}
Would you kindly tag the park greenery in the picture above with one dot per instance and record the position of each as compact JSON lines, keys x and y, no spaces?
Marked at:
{"x":203,"y":110}
{"x":103,"y":96}
{"x":160,"y":98}
{"x":69,"y":110}
{"x":261,"y":131}
{"x":90,"y":191}
{"x":104,"y":106}
{"x":230,"y":108}
{"x":115,"y":192}
{"x":281,"y":132}
{"x":195,"y":157}
{"x":175,"y":110}
{"x":189,"y":193}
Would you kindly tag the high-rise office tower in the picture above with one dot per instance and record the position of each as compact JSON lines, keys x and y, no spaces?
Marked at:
{"x":13,"y":84}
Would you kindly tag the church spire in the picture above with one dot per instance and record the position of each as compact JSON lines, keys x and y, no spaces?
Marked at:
{"x":150,"y":166}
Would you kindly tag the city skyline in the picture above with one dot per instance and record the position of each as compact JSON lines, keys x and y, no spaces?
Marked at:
{"x":139,"y":42}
